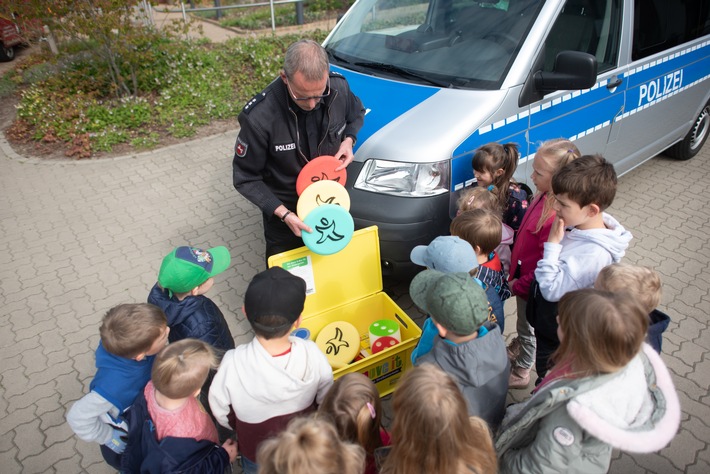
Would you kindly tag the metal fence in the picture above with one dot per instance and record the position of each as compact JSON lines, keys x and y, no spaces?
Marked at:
{"x":219,"y":8}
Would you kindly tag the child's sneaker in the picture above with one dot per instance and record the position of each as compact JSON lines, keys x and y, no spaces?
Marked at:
{"x":513,"y":350}
{"x":519,"y":378}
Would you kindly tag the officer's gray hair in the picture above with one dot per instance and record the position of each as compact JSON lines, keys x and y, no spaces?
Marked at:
{"x":307,"y":57}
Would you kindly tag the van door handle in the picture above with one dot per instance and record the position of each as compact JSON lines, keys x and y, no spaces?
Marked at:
{"x":615,"y":81}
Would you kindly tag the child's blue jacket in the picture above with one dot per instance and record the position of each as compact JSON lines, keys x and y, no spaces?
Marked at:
{"x":195,"y":316}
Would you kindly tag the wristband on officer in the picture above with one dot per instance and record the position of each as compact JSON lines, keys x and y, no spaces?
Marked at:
{"x":283,"y":218}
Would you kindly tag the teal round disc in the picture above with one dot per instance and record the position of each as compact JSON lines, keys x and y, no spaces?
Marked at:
{"x":332,"y":227}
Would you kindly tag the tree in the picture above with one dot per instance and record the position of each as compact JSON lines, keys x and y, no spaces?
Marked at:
{"x":112,"y":25}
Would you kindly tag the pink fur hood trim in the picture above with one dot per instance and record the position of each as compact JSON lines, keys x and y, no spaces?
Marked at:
{"x":631,"y":412}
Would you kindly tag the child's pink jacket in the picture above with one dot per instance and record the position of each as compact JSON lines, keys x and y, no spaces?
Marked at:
{"x":529,"y":246}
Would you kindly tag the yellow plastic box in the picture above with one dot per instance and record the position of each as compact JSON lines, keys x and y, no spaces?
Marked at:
{"x":347,"y":286}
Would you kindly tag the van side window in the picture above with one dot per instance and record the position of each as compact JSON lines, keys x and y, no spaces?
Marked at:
{"x":661,"y":24}
{"x":589,"y":26}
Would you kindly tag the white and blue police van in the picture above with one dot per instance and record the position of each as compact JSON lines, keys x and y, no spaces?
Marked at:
{"x":627,"y":79}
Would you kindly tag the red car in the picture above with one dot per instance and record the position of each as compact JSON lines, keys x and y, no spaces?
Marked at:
{"x":14,"y":33}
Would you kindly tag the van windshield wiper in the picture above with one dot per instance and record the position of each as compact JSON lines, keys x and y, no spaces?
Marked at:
{"x":402,"y":72}
{"x":337,"y":57}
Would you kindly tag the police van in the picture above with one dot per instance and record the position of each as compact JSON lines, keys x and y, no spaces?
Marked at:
{"x":624,"y":78}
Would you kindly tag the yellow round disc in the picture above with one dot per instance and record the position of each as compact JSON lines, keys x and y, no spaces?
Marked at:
{"x":340,"y":342}
{"x":322,"y":192}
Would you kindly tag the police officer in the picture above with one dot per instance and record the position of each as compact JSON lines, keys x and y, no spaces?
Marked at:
{"x":305,"y":112}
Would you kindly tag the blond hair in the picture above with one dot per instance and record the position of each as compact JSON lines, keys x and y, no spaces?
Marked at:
{"x":478,"y":197}
{"x":601,"y":331}
{"x":432,"y":432}
{"x":354,"y":407}
{"x":128,"y":330}
{"x":309,"y":446}
{"x":556,"y":153}
{"x":481,"y":228}
{"x":642,"y":282}
{"x":181,"y":368}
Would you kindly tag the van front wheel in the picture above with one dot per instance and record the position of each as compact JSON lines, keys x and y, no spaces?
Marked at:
{"x":695,"y":139}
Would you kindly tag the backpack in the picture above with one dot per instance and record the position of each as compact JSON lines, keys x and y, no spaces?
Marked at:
{"x":518,"y":200}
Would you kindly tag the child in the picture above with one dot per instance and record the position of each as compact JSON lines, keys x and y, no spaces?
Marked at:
{"x":482,"y":198}
{"x":478,"y":197}
{"x":431,"y":432}
{"x":131,"y":334}
{"x":310,"y":446}
{"x":468,"y":348}
{"x":353,"y":405}
{"x":645,"y":285}
{"x":607,"y":391}
{"x":573,"y":258}
{"x":275,"y":377}
{"x":186,"y":274}
{"x":495,"y":164}
{"x":482,"y":229}
{"x":170,"y":431}
{"x":552,"y":156}
{"x":451,"y":254}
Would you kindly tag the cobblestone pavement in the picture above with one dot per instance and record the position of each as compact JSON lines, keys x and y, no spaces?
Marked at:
{"x":77,"y":238}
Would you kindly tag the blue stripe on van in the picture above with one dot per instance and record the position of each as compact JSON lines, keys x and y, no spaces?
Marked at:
{"x":549,"y":110}
{"x":693,"y":61}
{"x":671,"y":75}
{"x":384,"y":99}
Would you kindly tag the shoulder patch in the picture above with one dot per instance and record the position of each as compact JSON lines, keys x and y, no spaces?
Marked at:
{"x":563,"y":436}
{"x":240,"y":148}
{"x":254,"y":100}
{"x":336,"y":74}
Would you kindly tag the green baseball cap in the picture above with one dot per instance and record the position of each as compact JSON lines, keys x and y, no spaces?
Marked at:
{"x":185,"y":268}
{"x":454,"y":300}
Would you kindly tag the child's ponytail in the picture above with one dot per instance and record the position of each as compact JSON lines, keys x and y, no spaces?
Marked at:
{"x":354,"y":407}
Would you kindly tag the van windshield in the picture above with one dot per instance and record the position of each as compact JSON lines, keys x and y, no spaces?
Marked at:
{"x":448,"y":43}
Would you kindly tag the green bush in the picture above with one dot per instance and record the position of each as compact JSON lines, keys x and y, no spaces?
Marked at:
{"x":146,"y":141}
{"x":127,"y":114}
{"x":7,"y":86}
{"x":258,"y":18}
{"x":185,"y":85}
{"x":106,"y":139}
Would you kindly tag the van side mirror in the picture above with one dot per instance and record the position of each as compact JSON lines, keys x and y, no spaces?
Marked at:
{"x":573,"y":70}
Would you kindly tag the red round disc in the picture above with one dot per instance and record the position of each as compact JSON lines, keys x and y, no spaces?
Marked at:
{"x":321,"y":168}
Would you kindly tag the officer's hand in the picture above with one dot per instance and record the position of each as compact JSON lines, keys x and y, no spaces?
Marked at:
{"x":345,"y":153}
{"x":296,"y":224}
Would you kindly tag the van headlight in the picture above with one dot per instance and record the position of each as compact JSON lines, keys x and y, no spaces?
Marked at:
{"x":404,"y":179}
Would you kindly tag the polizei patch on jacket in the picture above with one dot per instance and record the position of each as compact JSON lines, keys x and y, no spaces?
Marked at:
{"x":563,"y":436}
{"x":284,"y":147}
{"x":240,"y":148}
